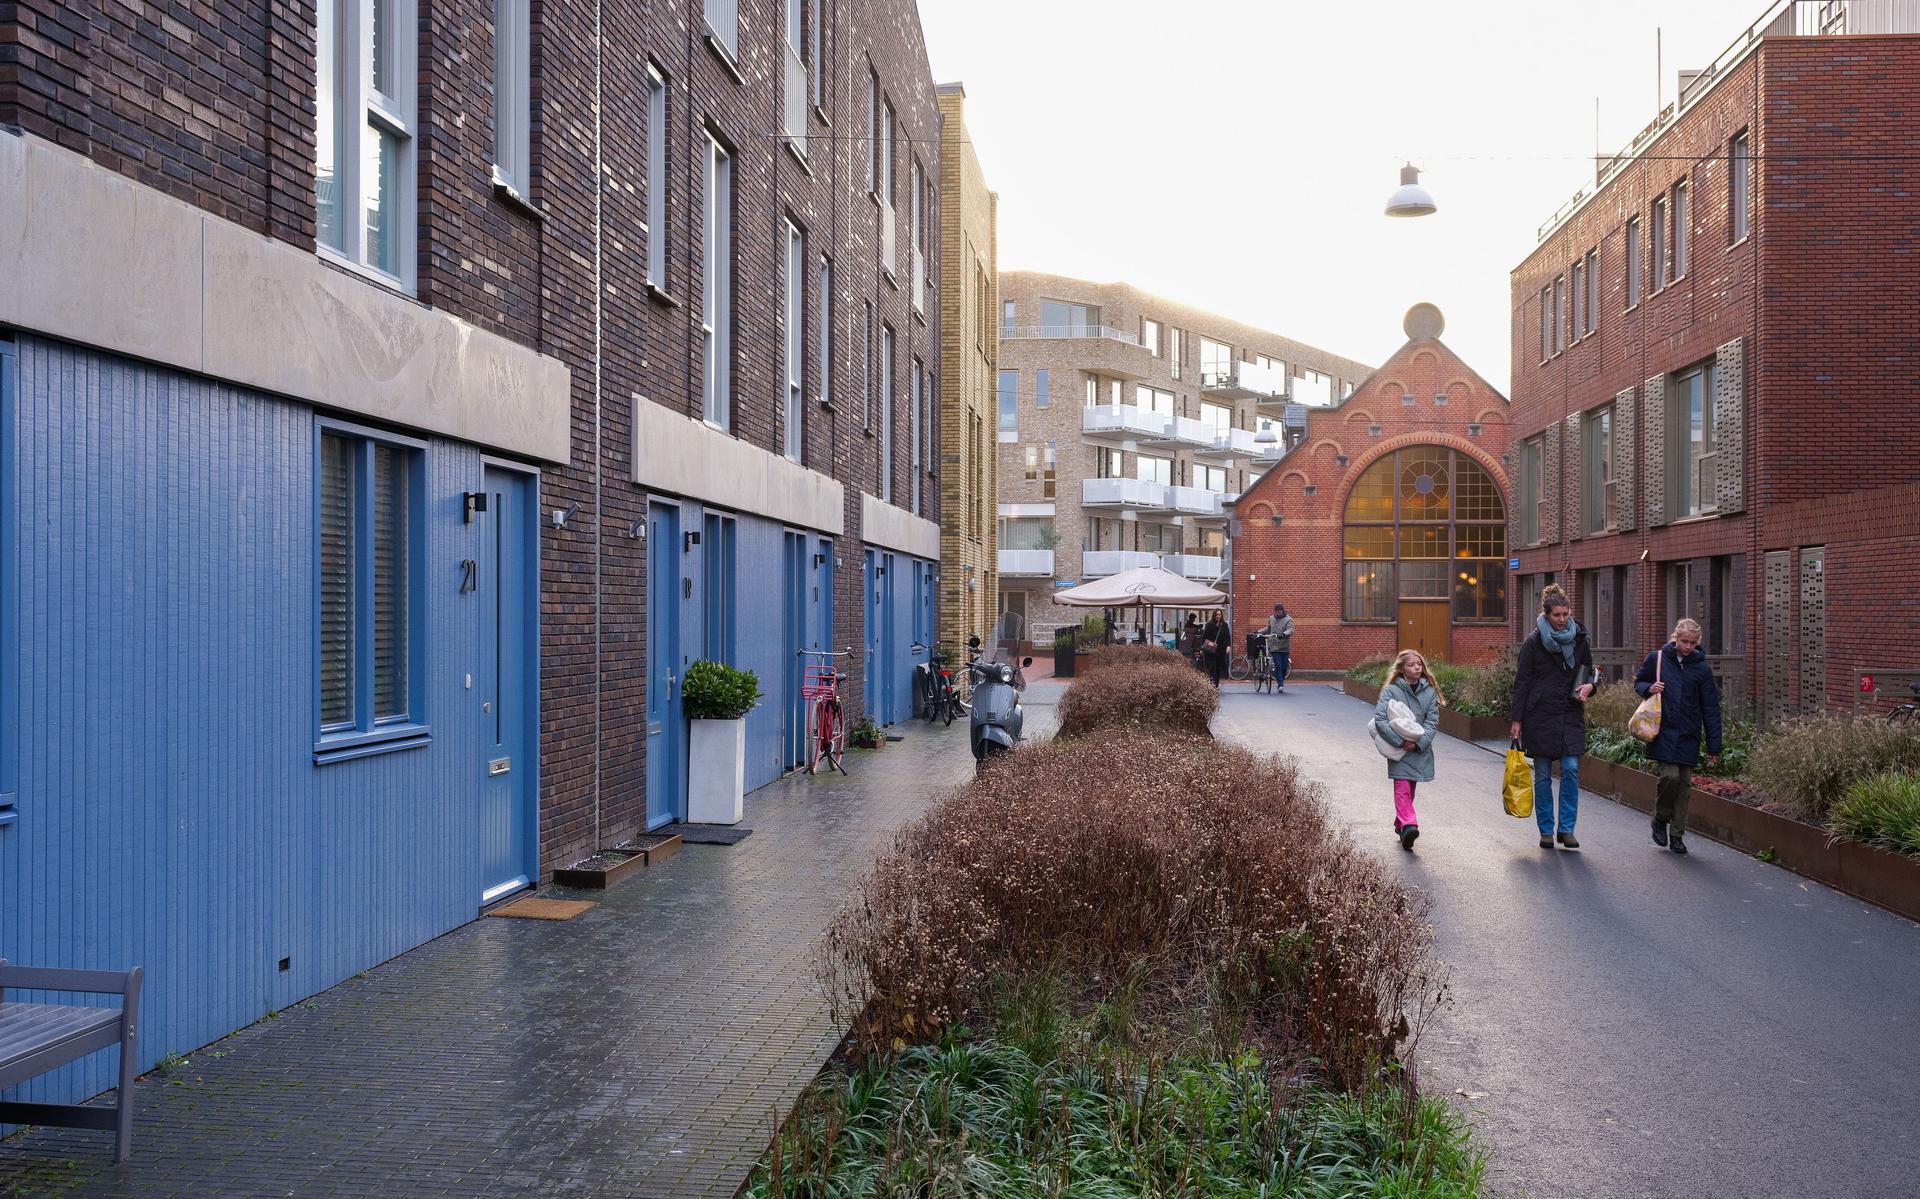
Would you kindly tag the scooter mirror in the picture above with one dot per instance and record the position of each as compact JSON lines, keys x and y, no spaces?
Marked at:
{"x":1026,"y":662}
{"x":973,"y":643}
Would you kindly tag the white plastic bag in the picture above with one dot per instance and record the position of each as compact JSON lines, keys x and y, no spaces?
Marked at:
{"x":1392,"y":753}
{"x":1400,"y":720}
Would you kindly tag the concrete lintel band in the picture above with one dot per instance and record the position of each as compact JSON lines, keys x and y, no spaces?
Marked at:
{"x":687,"y":457}
{"x":90,"y":256}
{"x":884,"y":525}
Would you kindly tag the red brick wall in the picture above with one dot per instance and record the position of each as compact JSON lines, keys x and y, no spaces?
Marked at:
{"x":1298,"y":562}
{"x":1830,"y":343}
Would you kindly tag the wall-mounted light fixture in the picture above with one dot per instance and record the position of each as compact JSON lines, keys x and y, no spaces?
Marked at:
{"x":688,"y":540}
{"x":819,"y":559}
{"x":562,"y":515}
{"x":475,"y":501}
{"x":638,"y":529}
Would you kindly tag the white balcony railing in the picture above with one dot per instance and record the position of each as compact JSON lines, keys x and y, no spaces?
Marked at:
{"x":887,"y":247}
{"x":1188,"y":431}
{"x":796,"y":100}
{"x":1193,"y":566}
{"x":1121,"y":420}
{"x":1042,"y":331}
{"x":1026,"y":562}
{"x":1246,"y":380}
{"x":723,"y":17}
{"x":1123,"y":493}
{"x":1100,"y":563}
{"x":1195,"y":500}
{"x":919,"y":281}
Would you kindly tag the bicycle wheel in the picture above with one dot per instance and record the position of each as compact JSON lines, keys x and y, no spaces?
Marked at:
{"x":950,"y":704}
{"x":1902,"y":716}
{"x":819,"y":718}
{"x":837,"y":741}
{"x":1239,"y":667}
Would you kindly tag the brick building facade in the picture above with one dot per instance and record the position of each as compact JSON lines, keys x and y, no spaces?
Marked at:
{"x":969,"y":354}
{"x":1713,"y":373}
{"x":460,"y":388}
{"x":1126,"y":423}
{"x":1384,"y":526}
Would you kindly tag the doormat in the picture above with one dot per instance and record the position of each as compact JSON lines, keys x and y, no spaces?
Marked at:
{"x":532,"y":908}
{"x":709,"y":834}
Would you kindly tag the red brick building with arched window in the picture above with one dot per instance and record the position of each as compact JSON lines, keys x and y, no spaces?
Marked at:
{"x":1384,"y":525}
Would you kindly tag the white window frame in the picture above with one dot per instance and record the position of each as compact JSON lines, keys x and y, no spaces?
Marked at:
{"x":866,"y":365}
{"x":716,"y":284}
{"x":1150,"y":335}
{"x":914,"y":426}
{"x":1175,"y":348}
{"x":873,"y":131}
{"x":1579,"y":297}
{"x":1682,"y":227}
{"x":723,"y":20}
{"x":1657,"y":249}
{"x":512,"y":97}
{"x":361,"y":108}
{"x":656,"y":265}
{"x":1593,"y":290}
{"x":1740,"y":186}
{"x":796,"y":341}
{"x":1634,"y":277}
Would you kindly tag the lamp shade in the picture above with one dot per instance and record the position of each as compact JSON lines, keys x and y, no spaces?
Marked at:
{"x":1410,"y":199}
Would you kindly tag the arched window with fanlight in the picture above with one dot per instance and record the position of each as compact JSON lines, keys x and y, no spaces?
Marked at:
{"x":1425,"y":523}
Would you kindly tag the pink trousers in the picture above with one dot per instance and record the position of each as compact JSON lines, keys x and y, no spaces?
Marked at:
{"x":1403,"y":802}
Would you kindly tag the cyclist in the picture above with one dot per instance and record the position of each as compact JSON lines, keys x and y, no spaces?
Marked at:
{"x":1280,"y":645}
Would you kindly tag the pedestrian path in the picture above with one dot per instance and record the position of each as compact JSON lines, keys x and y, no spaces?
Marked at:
{"x":1625,"y":1023}
{"x":641,"y":1049}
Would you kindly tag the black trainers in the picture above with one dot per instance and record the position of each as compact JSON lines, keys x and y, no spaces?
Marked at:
{"x":1677,"y":845}
{"x":1659,"y":831}
{"x":1569,"y":840}
{"x":1409,"y":833}
{"x":1546,"y":842}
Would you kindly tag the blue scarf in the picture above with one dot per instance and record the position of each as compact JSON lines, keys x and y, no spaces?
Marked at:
{"x":1560,"y":639}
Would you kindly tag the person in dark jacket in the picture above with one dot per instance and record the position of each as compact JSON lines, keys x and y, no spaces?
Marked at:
{"x":1216,"y":634}
{"x":1678,"y":673}
{"x":1551,"y":682}
{"x":1280,"y":644}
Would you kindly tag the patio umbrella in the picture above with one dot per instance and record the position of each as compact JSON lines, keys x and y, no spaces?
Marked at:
{"x":1143,"y":587}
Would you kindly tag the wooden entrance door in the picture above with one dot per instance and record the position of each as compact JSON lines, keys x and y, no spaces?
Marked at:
{"x":1423,"y":626}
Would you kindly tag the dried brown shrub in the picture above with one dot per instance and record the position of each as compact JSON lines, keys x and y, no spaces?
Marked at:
{"x":1152,"y":693}
{"x":1127,"y":655}
{"x":1204,"y":882}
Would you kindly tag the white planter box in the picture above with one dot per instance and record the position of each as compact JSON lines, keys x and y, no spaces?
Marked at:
{"x":716,"y":771}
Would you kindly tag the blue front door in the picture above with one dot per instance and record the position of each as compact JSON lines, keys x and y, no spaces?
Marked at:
{"x":505,"y":575}
{"x":793,"y":639}
{"x":666,"y":732}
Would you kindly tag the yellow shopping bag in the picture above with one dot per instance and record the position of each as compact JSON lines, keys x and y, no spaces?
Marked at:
{"x":1516,"y":789}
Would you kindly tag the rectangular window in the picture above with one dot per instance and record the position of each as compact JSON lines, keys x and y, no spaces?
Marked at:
{"x":1633,"y":261}
{"x":1533,"y":490}
{"x":1559,"y":313}
{"x":1027,"y":533}
{"x":1149,"y":399}
{"x":1546,"y":323}
{"x":1218,"y":417}
{"x":723,"y":18}
{"x":1047,"y":476}
{"x":1579,"y":297}
{"x":1009,"y":401}
{"x":364,"y":165}
{"x":1150,"y":336}
{"x":1159,"y":539}
{"x":1107,"y":463}
{"x":826,"y":329}
{"x":716,"y":285}
{"x":796,"y":339}
{"x":1212,"y":478}
{"x":1692,"y":449}
{"x":1593,"y":291}
{"x":368,"y":569}
{"x":1040,"y":397}
{"x":656,"y":180}
{"x":1216,"y":362}
{"x":719,"y":561}
{"x":1682,"y":229}
{"x":1369,"y":592}
{"x":1061,"y":319}
{"x":886,"y":412}
{"x":866,"y":364}
{"x":1740,"y":185}
{"x":1006,"y":318}
{"x":917,"y":382}
{"x":1175,"y":349}
{"x":886,"y":151}
{"x":873,"y":131}
{"x":512,"y":107}
{"x":1657,"y":254}
{"x":1152,"y":470}
{"x":1033,"y":463}
{"x":1596,"y":472}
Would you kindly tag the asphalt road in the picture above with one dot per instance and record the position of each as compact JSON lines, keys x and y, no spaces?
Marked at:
{"x":1626,"y":1023}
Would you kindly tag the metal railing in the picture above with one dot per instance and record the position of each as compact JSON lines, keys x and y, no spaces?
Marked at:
{"x":887,"y":246}
{"x":1107,"y":332}
{"x":795,"y":100}
{"x":1782,"y":18}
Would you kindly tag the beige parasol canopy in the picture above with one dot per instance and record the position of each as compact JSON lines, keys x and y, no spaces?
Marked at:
{"x":1143,"y":587}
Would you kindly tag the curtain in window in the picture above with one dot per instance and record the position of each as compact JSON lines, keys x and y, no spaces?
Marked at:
{"x":389,"y":582}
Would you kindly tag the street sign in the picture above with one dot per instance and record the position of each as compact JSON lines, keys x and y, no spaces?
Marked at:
{"x":1065,"y":583}
{"x":1513,"y":564}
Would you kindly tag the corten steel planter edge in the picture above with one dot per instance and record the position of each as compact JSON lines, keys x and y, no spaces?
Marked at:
{"x":600,"y":880}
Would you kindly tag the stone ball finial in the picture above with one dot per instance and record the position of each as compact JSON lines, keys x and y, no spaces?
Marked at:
{"x":1424,"y":322}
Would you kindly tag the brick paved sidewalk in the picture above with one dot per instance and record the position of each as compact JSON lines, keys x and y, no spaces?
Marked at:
{"x":639,"y":1050}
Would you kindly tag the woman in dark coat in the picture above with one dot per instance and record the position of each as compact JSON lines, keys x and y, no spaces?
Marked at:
{"x":1689,"y":705}
{"x":1551,"y":683}
{"x":1216,"y":635}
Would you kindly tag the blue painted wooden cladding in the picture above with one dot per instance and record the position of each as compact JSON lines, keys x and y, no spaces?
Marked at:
{"x":164,"y":611}
{"x":899,"y":616}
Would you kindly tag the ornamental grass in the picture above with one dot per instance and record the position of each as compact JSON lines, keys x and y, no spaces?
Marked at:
{"x":1152,"y":692}
{"x":1199,"y":888}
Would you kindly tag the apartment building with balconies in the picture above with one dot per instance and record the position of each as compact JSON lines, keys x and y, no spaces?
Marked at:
{"x":1125,"y":424}
{"x":1713,"y":348}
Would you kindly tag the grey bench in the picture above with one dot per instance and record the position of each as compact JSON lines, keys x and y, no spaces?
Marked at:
{"x":36,"y":1037}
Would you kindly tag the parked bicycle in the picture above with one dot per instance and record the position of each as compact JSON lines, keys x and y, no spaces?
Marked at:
{"x":826,"y":719}
{"x":1903,"y":715}
{"x":943,"y":698}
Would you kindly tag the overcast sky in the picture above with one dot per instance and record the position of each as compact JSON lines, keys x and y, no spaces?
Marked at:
{"x":1236,"y":154}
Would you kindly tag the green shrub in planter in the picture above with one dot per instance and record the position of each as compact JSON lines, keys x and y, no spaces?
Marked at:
{"x":1804,"y":768}
{"x":716,"y":691}
{"x":865,"y":734}
{"x":1883,"y":810}
{"x":1372,"y":671}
